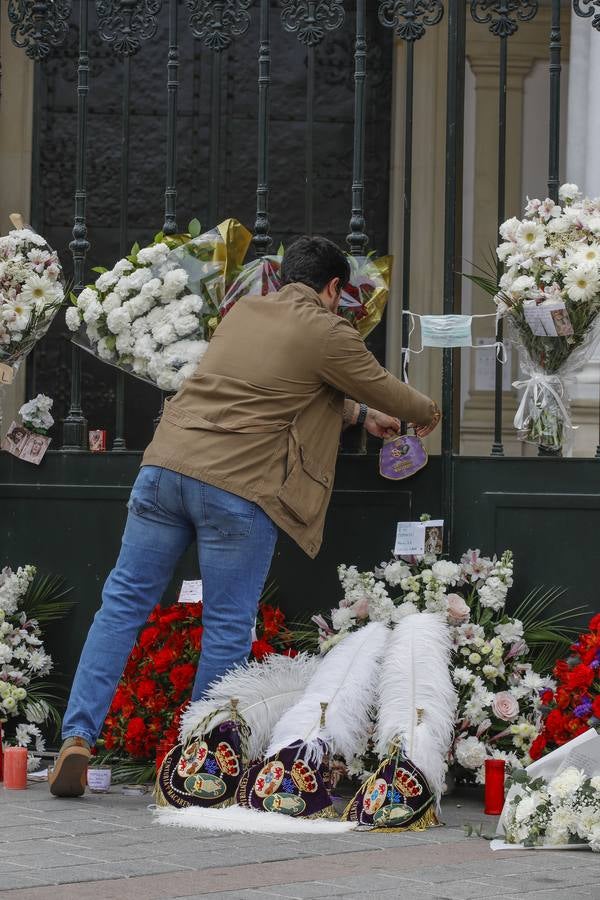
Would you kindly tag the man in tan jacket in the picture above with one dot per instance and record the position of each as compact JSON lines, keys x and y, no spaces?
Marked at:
{"x":247,"y":446}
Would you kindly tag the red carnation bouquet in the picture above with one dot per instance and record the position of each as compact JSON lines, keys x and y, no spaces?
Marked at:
{"x":574,"y":705}
{"x":157,"y":682}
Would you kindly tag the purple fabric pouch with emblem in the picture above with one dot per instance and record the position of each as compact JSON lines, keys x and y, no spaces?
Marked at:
{"x":402,"y":456}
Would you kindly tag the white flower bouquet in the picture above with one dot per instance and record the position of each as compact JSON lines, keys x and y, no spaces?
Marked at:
{"x":36,"y":415}
{"x":499,"y":693}
{"x":550,"y":296}
{"x":31,"y":292}
{"x":154,"y":312}
{"x":556,"y":812}
{"x":24,"y":663}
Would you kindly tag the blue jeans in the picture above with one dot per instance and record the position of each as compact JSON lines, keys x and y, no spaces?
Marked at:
{"x":235,"y":541}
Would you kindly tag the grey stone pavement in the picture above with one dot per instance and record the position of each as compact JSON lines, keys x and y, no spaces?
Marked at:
{"x":106,"y":846}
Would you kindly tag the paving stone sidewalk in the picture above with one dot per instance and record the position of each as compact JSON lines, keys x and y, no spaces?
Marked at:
{"x":102,"y":847}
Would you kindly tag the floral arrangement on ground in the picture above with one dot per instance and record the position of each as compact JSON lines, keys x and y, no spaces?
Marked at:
{"x":564,"y":810}
{"x":573,"y":705}
{"x":498,"y":657}
{"x":27,"y":698}
{"x":157,"y":683}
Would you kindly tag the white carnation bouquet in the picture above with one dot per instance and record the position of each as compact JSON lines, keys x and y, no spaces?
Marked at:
{"x":154,"y":312}
{"x":561,"y":811}
{"x":25,"y":695}
{"x":31,"y":292}
{"x":494,"y":665}
{"x":550,"y":296}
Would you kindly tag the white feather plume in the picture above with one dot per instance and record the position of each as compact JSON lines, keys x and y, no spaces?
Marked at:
{"x":238,"y":818}
{"x":265,"y":690}
{"x":417,"y":700}
{"x":346,"y":679}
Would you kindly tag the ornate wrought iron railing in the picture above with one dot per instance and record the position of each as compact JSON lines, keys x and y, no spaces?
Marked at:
{"x":125,"y":26}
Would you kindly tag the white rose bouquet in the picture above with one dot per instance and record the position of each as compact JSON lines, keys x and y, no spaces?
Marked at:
{"x":550,"y":296}
{"x":154,"y":312}
{"x":25,"y":602}
{"x":564,"y":810}
{"x":499,"y":692}
{"x":36,"y":415}
{"x":31,"y":292}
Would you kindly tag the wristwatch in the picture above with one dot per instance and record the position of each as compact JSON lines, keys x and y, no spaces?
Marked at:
{"x":363,"y":409}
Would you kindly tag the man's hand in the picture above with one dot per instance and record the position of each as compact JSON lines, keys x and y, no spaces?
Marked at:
{"x":380,"y":425}
{"x":423,"y":430}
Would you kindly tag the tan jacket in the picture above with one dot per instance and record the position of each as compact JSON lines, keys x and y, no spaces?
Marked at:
{"x":261,"y":417}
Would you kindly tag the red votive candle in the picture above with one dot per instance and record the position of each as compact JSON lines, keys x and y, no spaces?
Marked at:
{"x":15,"y":768}
{"x":161,"y":751}
{"x":1,"y":766}
{"x":494,"y":786}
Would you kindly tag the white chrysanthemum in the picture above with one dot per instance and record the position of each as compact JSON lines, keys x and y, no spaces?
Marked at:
{"x":73,"y":318}
{"x":174,"y":283}
{"x":470,"y":752}
{"x":111,"y":301}
{"x":509,"y":229}
{"x":510,"y":631}
{"x":92,"y":313}
{"x":185,"y":325}
{"x":122,"y":267}
{"x":118,"y":320}
{"x":582,"y":283}
{"x":164,"y":333}
{"x":106,"y":281}
{"x":568,"y":193}
{"x":462,"y":675}
{"x":566,"y":783}
{"x":105,"y":349}
{"x":531,"y":237}
{"x":154,"y":255}
{"x":395,"y":572}
{"x":342,"y":619}
{"x":524,"y":285}
{"x":446,"y":572}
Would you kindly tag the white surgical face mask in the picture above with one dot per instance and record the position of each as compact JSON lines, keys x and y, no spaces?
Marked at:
{"x":446,"y":331}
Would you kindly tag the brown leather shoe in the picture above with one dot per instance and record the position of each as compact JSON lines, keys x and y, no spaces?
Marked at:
{"x":68,"y":777}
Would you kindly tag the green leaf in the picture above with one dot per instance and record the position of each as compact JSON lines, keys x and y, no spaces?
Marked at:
{"x":99,"y":269}
{"x":45,"y":599}
{"x":280,"y":250}
{"x":73,"y":298}
{"x":158,"y":237}
{"x":194,"y":228}
{"x":135,"y":250}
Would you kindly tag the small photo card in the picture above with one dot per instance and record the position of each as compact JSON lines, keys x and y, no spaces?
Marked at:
{"x":550,"y":319}
{"x":7,"y":374}
{"x":25,"y":444}
{"x":419,"y":538}
{"x":191,"y":592}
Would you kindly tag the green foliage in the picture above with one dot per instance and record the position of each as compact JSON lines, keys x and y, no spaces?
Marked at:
{"x":45,"y":599}
{"x":125,"y":770}
{"x":545,"y":632}
{"x":305,"y":635}
{"x":99,"y":269}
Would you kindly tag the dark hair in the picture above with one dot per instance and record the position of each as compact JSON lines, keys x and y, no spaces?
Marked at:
{"x":314,"y":261}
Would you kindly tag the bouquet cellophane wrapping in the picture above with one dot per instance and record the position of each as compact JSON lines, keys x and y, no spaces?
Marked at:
{"x":544,"y":413}
{"x":259,"y":277}
{"x":364,"y":298}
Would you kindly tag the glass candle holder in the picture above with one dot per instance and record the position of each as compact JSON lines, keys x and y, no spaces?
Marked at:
{"x":99,"y":779}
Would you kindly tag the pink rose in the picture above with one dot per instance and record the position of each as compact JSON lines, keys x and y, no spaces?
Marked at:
{"x":360,"y":609}
{"x":505,"y":706}
{"x":458,"y":610}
